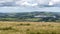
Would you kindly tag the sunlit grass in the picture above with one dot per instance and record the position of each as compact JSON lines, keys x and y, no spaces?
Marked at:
{"x":7,"y":27}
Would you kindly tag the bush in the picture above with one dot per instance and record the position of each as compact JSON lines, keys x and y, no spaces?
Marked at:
{"x":6,"y":28}
{"x":23,"y":24}
{"x":28,"y":30}
{"x":32,"y":33}
{"x":38,"y":33}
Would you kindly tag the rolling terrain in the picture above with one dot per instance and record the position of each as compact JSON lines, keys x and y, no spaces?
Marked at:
{"x":30,"y":16}
{"x":7,"y":27}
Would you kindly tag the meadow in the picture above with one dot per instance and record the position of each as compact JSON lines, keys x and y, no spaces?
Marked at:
{"x":7,"y":27}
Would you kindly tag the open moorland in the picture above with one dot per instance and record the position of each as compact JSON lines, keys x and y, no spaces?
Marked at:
{"x":7,"y":27}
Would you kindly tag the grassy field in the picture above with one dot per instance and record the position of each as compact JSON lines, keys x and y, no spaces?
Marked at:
{"x":29,"y":27}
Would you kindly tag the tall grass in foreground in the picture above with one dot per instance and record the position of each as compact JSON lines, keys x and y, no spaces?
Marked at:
{"x":29,"y":28}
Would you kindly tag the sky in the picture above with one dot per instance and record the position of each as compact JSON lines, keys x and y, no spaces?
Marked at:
{"x":29,"y":5}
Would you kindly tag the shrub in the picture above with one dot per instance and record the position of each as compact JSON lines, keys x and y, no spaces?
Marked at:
{"x":53,"y":33}
{"x":38,"y":33}
{"x":28,"y":30}
{"x":32,"y":33}
{"x":6,"y":28}
{"x":23,"y":24}
{"x":27,"y":24}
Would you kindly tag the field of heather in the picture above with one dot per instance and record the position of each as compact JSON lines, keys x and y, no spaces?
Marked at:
{"x":7,"y":27}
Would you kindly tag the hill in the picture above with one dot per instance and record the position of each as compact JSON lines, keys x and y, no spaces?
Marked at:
{"x":30,"y":16}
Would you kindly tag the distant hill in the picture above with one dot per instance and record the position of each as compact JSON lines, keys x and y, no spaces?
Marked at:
{"x":27,"y":16}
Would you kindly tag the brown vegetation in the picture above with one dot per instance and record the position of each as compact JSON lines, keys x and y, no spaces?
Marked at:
{"x":7,"y":27}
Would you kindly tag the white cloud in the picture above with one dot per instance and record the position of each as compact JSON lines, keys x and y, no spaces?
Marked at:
{"x":30,"y":2}
{"x":6,"y":1}
{"x":43,"y":1}
{"x":53,"y":2}
{"x":50,"y":3}
{"x":27,"y":2}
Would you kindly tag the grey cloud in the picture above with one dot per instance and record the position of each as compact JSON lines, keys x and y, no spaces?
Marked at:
{"x":39,"y":3}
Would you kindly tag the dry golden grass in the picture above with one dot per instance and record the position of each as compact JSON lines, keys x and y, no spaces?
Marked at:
{"x":7,"y":27}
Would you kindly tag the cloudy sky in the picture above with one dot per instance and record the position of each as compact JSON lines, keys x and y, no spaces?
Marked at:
{"x":29,"y":5}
